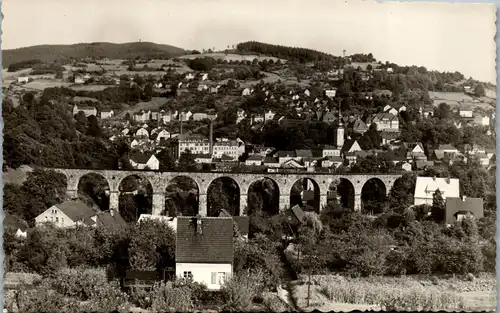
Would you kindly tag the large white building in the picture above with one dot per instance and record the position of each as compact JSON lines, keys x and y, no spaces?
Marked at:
{"x":427,"y":186}
{"x":143,"y":161}
{"x":86,"y":109}
{"x":197,"y":144}
{"x":204,"y":250}
{"x":232,"y":148}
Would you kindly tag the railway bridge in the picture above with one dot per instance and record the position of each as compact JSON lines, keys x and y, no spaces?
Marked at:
{"x":160,"y":180}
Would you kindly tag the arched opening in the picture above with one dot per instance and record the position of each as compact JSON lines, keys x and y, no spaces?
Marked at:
{"x":343,"y":190}
{"x":223,"y":193}
{"x":263,"y":196}
{"x":93,"y":190}
{"x":373,"y":196}
{"x":181,"y":197}
{"x":136,"y":197}
{"x":305,"y":193}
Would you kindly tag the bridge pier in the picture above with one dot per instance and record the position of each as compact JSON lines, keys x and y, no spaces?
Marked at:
{"x":114,"y":197}
{"x":323,"y":200}
{"x":72,"y":194}
{"x":202,"y":204}
{"x":158,"y":203}
{"x":243,"y":204}
{"x":357,"y":202}
{"x":284,"y":202}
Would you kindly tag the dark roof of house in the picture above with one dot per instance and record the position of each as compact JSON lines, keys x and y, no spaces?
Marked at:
{"x":202,"y":156}
{"x":298,"y":212}
{"x":255,"y":157}
{"x":243,"y":223}
{"x":226,"y":157}
{"x":271,"y":160}
{"x":447,"y":147}
{"x":284,"y":154}
{"x":458,"y":205}
{"x":139,"y":157}
{"x":106,"y":110}
{"x":77,"y":210}
{"x":213,"y":245}
{"x":12,"y":221}
{"x":105,"y":219}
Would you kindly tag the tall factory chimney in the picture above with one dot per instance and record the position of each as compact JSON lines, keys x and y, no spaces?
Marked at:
{"x":211,"y":138}
{"x":181,"y":128}
{"x":344,"y":53}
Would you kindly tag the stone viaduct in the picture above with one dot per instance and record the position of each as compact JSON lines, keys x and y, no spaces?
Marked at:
{"x":160,"y":180}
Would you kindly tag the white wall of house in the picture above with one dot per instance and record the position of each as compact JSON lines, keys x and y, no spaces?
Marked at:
{"x":55,"y":216}
{"x":210,"y":274}
{"x":253,"y":162}
{"x":105,"y":115}
{"x":331,"y":152}
{"x":466,"y":113}
{"x":163,"y":134}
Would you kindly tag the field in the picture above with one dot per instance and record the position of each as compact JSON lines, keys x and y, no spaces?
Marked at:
{"x":90,"y":87}
{"x":460,"y":99}
{"x":403,"y":293}
{"x":42,"y":84}
{"x":231,"y":57}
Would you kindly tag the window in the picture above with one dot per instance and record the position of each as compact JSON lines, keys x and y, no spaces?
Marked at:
{"x":57,"y":219}
{"x":187,"y":274}
{"x":221,"y":278}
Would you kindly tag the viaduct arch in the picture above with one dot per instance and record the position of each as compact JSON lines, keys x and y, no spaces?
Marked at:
{"x":285,"y":181}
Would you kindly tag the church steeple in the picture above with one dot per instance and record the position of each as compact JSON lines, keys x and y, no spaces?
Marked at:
{"x":340,"y":132}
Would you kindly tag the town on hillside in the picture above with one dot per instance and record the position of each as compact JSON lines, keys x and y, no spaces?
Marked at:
{"x":252,"y":177}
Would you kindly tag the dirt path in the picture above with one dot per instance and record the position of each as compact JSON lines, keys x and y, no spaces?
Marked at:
{"x":288,"y":280}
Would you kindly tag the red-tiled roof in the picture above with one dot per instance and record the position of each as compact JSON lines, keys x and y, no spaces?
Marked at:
{"x":213,"y":245}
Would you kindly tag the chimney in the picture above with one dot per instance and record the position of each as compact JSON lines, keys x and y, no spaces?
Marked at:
{"x":210,"y":138}
{"x":198,"y":227}
{"x":181,"y":128}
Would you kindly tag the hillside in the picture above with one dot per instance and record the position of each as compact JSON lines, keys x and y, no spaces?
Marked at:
{"x":50,"y":53}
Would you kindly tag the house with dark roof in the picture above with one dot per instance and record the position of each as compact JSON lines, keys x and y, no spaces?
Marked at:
{"x":294,"y":216}
{"x":241,"y":224}
{"x":68,"y":214}
{"x":358,"y":126}
{"x":271,"y":162}
{"x":204,"y":249}
{"x":458,"y":208}
{"x":255,"y":160}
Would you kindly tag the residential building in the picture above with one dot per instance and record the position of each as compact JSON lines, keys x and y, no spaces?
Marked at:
{"x":203,"y":158}
{"x":199,"y":116}
{"x":268,"y":116}
{"x":415,"y":151}
{"x":241,"y":223}
{"x":143,"y":161}
{"x":447,"y":148}
{"x":254,"y":160}
{"x":330,"y":151}
{"x":185,"y":116}
{"x":284,"y":156}
{"x":330,"y":93}
{"x":142,"y":133}
{"x":329,"y":117}
{"x":86,"y":109}
{"x":23,"y":79}
{"x":163,"y":134}
{"x":204,"y":250}
{"x":107,"y":113}
{"x":457,"y":208}
{"x":271,"y":162}
{"x":427,"y":186}
{"x":257,"y":118}
{"x":198,"y":144}
{"x":385,"y":122}
{"x":232,"y":148}
{"x":16,"y":224}
{"x":358,"y":126}
{"x":142,"y":116}
{"x":245,"y":92}
{"x":466,"y":112}
{"x":240,"y":115}
{"x":68,"y":214}
{"x":406,"y":167}
{"x":482,"y":120}
{"x":332,"y":161}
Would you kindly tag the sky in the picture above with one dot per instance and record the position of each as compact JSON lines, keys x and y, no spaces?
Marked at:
{"x":439,"y":36}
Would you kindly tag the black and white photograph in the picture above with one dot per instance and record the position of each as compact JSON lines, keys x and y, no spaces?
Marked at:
{"x":248,"y":156}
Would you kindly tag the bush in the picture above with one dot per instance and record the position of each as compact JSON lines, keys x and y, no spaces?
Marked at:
{"x":107,"y":298}
{"x":274,"y":303}
{"x":41,"y":299}
{"x":239,"y":292}
{"x":489,"y":251}
{"x":166,"y":298}
{"x":78,"y":283}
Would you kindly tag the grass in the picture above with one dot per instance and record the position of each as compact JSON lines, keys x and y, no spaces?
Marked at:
{"x":329,"y":292}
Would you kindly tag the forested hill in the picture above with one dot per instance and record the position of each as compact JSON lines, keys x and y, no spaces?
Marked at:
{"x":51,"y":53}
{"x":284,"y":52}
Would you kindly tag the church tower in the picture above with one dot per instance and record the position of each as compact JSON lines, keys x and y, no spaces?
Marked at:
{"x":340,"y":132}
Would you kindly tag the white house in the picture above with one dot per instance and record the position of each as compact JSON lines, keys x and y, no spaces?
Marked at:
{"x":232,"y":148}
{"x":86,"y":109}
{"x":427,"y":186}
{"x":330,"y":93}
{"x":23,"y":79}
{"x":107,"y":113}
{"x":355,"y":147}
{"x":482,"y":120}
{"x":199,"y":116}
{"x":204,"y":250}
{"x":447,"y":148}
{"x":240,"y":115}
{"x":385,"y":121}
{"x":142,"y":133}
{"x":197,"y":144}
{"x":245,"y":92}
{"x":255,"y":160}
{"x":406,"y":166}
{"x":163,"y":134}
{"x":330,"y":151}
{"x":185,"y":116}
{"x":68,"y":214}
{"x":466,"y":112}
{"x":142,"y":161}
{"x":268,"y":116}
{"x":134,"y":143}
{"x":307,"y":93}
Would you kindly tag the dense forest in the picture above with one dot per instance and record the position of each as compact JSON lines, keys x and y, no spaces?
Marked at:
{"x":301,"y":55}
{"x":64,"y":53}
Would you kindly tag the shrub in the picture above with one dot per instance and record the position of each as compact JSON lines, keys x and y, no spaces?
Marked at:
{"x":107,"y":298}
{"x":78,"y":283}
{"x":489,"y":255}
{"x":274,"y":303}
{"x":239,"y":292}
{"x":166,"y":298}
{"x":41,"y":299}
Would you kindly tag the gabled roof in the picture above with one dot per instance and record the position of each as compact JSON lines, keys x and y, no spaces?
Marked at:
{"x":286,"y":154}
{"x":213,"y":245}
{"x":76,"y":210}
{"x":105,"y":219}
{"x":306,"y":153}
{"x":455,"y":205}
{"x":255,"y":157}
{"x":426,"y":186}
{"x":270,"y":160}
{"x":447,"y":147}
{"x":298,"y":212}
{"x":359,"y":125}
{"x":243,"y":222}
{"x":140,"y":158}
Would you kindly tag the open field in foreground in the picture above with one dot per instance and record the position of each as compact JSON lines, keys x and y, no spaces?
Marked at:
{"x":338,"y":293}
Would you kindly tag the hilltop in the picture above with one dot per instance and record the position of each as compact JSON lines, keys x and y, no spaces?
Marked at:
{"x":51,"y":53}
